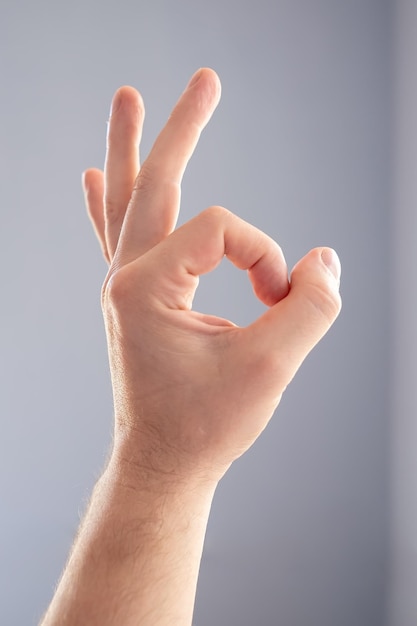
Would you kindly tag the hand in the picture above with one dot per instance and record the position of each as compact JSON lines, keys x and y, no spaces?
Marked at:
{"x":192,"y":392}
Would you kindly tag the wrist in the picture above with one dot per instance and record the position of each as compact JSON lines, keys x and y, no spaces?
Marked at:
{"x":139,"y":465}
{"x":142,"y":537}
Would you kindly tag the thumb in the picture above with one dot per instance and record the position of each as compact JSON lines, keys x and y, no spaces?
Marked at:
{"x":288,"y":331}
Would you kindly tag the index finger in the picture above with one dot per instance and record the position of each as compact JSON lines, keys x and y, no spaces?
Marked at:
{"x":198,"y":247}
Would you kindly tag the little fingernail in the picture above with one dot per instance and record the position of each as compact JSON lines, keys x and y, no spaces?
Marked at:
{"x":331,"y":261}
{"x":194,"y":79}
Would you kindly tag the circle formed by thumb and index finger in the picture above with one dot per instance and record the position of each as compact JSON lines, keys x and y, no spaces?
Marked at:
{"x":198,"y":247}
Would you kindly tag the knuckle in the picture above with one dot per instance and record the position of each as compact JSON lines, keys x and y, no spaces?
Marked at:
{"x":113,"y":211}
{"x":324,"y":300}
{"x":116,"y":290}
{"x":145,"y":182}
{"x":215,"y":215}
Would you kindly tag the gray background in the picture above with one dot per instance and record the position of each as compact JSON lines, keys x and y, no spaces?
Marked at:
{"x":402,"y":581}
{"x":302,"y":146}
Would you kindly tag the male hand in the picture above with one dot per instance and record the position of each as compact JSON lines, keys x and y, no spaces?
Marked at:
{"x":191,"y":391}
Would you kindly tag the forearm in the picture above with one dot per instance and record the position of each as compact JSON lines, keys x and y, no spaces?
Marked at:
{"x":138,"y":552}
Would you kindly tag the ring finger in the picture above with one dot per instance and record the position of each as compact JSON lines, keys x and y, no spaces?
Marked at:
{"x":122,"y":160}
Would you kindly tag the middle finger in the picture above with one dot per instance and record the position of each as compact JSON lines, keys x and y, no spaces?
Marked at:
{"x":153,"y":209}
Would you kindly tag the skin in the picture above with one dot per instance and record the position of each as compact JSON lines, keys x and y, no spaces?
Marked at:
{"x":192,"y":392}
